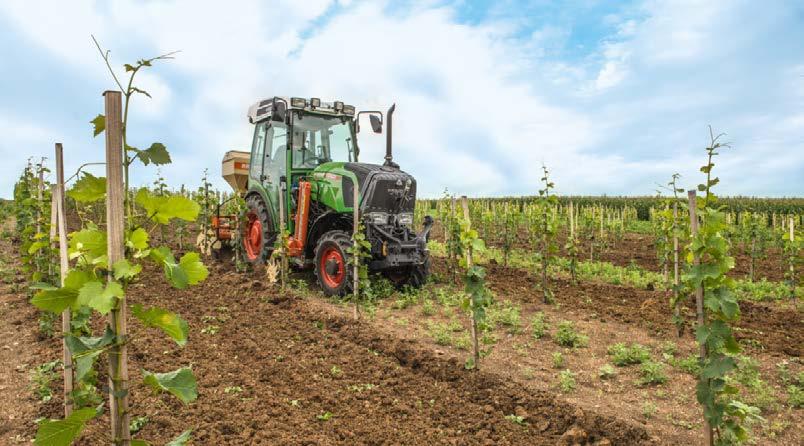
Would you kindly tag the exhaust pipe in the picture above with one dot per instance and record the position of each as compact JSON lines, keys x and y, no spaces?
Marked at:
{"x":389,"y":158}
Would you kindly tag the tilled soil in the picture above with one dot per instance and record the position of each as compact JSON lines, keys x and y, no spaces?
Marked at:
{"x":271,"y":367}
{"x":770,"y":326}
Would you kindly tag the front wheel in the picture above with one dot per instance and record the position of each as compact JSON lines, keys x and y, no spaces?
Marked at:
{"x":332,"y":263}
{"x":258,"y":231}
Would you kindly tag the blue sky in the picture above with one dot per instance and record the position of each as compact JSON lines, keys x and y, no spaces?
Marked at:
{"x":613,"y":96}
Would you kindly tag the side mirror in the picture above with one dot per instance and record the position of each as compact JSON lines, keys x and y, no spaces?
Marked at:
{"x":278,"y":111}
{"x":376,"y":123}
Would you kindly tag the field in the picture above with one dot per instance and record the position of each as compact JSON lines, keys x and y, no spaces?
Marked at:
{"x":294,"y":367}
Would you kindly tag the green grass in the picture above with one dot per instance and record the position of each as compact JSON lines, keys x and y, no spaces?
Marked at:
{"x":623,"y":355}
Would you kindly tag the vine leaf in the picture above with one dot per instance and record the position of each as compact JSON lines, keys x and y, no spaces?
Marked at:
{"x":193,"y":268}
{"x":99,"y":124}
{"x":156,"y":154}
{"x":86,"y":349}
{"x":181,"y":383}
{"x":137,"y":239}
{"x":63,"y":432}
{"x":161,"y":209}
{"x":101,"y":299}
{"x":123,"y":269}
{"x":90,"y":243}
{"x":170,"y":323}
{"x":88,"y":189}
{"x":56,"y":300}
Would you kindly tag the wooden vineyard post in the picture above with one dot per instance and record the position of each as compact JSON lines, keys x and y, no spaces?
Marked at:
{"x":356,"y":253}
{"x":282,"y":228}
{"x":40,"y":185}
{"x":792,"y":230}
{"x":475,"y":346}
{"x":699,"y":300}
{"x":571,"y":221}
{"x":61,"y":223}
{"x":452,"y":260}
{"x":118,"y":354}
{"x":677,"y":309}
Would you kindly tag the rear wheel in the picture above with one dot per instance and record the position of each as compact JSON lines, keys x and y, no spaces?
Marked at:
{"x":332,"y":267}
{"x":258,"y":231}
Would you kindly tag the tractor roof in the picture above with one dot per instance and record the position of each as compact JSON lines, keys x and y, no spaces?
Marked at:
{"x":262,"y":110}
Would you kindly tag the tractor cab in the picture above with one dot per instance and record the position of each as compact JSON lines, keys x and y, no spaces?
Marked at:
{"x":302,"y":173}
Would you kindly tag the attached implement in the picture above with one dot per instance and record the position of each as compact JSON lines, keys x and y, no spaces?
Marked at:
{"x":307,"y":151}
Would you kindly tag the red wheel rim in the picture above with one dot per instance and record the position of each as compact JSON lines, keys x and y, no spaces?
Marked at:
{"x":253,"y":237}
{"x":335,"y":279}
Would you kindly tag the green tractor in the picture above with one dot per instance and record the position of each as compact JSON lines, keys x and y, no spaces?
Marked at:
{"x":303,"y":170}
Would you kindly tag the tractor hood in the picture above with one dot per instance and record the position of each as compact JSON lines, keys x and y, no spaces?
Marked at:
{"x":381,"y":188}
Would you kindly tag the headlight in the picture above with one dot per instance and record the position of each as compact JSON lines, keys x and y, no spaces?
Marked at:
{"x":378,"y":218}
{"x":298,"y":102}
{"x":349,"y":110}
{"x":405,"y":219}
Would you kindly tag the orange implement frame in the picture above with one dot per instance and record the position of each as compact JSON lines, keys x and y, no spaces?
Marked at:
{"x":299,"y":238}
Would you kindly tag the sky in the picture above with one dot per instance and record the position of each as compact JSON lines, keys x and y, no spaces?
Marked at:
{"x":613,"y":97}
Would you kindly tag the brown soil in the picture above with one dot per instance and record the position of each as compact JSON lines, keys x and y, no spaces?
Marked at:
{"x":281,"y":353}
{"x":769,"y":326}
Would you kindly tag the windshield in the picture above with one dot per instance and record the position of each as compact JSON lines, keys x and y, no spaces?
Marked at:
{"x":321,"y":139}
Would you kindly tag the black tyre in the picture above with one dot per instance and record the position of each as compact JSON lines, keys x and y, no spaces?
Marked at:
{"x":332,"y":267}
{"x":258,"y":232}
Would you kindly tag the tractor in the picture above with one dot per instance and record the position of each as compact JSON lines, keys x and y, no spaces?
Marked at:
{"x":303,"y":170}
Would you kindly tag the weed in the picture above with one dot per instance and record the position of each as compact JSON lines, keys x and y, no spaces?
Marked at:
{"x":137,"y":424}
{"x":689,"y":364}
{"x":210,"y":329}
{"x":566,"y":381}
{"x":558,"y":360}
{"x":623,"y":355}
{"x":538,"y":325}
{"x":326,"y":416}
{"x":566,"y":336}
{"x":759,"y":393}
{"x":41,"y":377}
{"x":233,"y":389}
{"x":606,"y":371}
{"x":516,"y":419}
{"x":428,"y":309}
{"x":359,"y":388}
{"x":652,"y":373}
{"x":336,"y":371}
{"x":507,"y":315}
{"x":528,"y":373}
{"x":648,"y":409}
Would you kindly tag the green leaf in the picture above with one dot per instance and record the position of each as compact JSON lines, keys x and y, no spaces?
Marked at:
{"x":162,"y":209}
{"x":85,"y":349}
{"x":88,"y":188}
{"x":140,"y":443}
{"x":181,"y":383}
{"x":63,"y":432}
{"x":36,"y":246}
{"x":99,"y":124}
{"x":182,"y":439}
{"x":137,"y":239}
{"x":158,"y":154}
{"x":55,"y":301}
{"x":194,"y":270}
{"x":94,"y":295}
{"x":137,"y":90}
{"x":128,"y":67}
{"x":170,"y":323}
{"x":718,"y":367}
{"x":89,"y":242}
{"x":123,"y":269}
